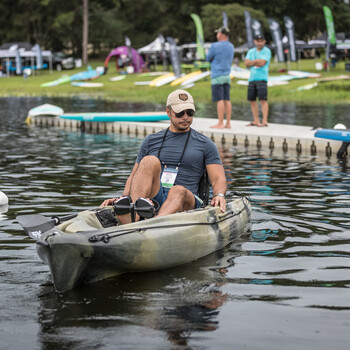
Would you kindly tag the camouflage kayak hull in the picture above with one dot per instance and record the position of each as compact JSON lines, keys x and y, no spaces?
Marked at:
{"x":82,"y":251}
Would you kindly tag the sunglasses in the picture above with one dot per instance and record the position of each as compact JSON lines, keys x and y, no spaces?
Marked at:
{"x":189,"y":112}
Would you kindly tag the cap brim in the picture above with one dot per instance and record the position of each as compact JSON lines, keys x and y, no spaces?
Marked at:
{"x":181,"y":107}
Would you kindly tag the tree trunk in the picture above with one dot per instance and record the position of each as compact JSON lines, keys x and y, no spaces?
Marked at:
{"x":85,"y":31}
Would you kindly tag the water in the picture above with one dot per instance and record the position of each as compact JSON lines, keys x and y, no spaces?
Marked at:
{"x":283,"y":286}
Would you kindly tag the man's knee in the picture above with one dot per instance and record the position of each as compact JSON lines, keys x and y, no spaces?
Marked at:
{"x":182,"y":194}
{"x":178,"y":190}
{"x":150,"y":162}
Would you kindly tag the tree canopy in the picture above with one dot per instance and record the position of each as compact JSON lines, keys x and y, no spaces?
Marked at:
{"x":57,"y":25}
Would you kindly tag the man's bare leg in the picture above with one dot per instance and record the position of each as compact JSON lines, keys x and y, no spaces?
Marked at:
{"x":220,"y":108}
{"x":146,"y":180}
{"x":255,"y":111}
{"x":228,"y":112}
{"x":265,"y":111}
{"x":179,"y":199}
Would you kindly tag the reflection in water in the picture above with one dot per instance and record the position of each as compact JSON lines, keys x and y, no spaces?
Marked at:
{"x":288,"y":280}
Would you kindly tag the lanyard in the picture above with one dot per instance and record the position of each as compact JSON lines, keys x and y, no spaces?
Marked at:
{"x":183,"y":152}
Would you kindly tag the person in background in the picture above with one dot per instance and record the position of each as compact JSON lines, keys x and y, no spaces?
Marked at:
{"x":258,"y":60}
{"x":220,"y":56}
{"x":170,"y":165}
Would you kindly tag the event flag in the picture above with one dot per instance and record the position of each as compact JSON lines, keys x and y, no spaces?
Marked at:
{"x":289,"y":24}
{"x":18,"y":61}
{"x":330,"y":24}
{"x":38,"y":56}
{"x":174,"y":56}
{"x":200,"y":52}
{"x":248,"y":27}
{"x":163,"y":51}
{"x":128,"y":45}
{"x":277,"y":38}
{"x":256,"y":27}
{"x":224,"y":19}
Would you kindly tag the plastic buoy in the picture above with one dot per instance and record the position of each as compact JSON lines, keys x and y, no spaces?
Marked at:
{"x":3,"y":198}
{"x":340,"y":126}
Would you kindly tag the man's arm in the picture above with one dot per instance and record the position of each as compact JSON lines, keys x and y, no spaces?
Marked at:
{"x":256,"y":63}
{"x":217,"y":177}
{"x":126,"y":191}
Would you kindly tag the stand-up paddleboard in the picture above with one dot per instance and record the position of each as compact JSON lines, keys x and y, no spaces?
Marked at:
{"x":334,"y":134}
{"x":142,"y":82}
{"x":59,"y":81}
{"x":184,"y":78}
{"x":301,"y":74}
{"x":192,"y":80}
{"x":269,"y":83}
{"x":164,"y":77}
{"x":117,"y":117}
{"x":307,"y":87}
{"x":117,"y":78}
{"x":338,"y":77}
{"x":86,"y":84}
{"x":239,"y":73}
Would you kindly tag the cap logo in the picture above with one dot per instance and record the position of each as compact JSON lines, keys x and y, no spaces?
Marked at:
{"x":183,"y":97}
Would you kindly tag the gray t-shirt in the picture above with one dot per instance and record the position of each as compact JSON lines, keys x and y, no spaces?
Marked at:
{"x":200,"y":151}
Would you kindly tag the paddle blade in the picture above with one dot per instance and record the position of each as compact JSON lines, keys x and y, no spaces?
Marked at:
{"x":35,"y":225}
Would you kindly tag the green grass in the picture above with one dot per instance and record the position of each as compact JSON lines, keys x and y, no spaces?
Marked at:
{"x":336,"y":92}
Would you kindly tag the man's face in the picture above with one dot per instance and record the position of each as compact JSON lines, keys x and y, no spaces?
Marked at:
{"x":181,"y":121}
{"x":259,"y":43}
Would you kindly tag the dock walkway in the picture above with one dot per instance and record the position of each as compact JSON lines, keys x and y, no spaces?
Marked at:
{"x":276,"y":137}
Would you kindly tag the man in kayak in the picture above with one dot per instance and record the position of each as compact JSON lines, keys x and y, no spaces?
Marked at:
{"x":170,"y":165}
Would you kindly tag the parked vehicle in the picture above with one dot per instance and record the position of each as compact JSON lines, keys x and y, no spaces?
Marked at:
{"x":61,"y":61}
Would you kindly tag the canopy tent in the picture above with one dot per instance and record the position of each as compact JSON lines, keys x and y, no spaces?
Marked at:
{"x":121,"y":54}
{"x":154,"y":47}
{"x":14,"y":53}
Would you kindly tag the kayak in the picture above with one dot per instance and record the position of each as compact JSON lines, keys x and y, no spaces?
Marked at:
{"x":92,"y":246}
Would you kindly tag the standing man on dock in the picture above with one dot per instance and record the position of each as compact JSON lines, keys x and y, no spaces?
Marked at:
{"x":171,"y":163}
{"x":258,"y":60}
{"x":220,"y":56}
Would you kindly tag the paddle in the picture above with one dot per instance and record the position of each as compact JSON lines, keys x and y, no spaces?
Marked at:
{"x":36,"y":224}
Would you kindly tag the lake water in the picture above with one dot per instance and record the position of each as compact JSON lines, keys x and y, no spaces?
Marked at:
{"x":285,"y":285}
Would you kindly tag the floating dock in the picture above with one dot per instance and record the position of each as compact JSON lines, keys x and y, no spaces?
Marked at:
{"x":291,"y":139}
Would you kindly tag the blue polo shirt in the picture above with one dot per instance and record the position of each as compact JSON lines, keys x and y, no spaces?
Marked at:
{"x":259,"y":73}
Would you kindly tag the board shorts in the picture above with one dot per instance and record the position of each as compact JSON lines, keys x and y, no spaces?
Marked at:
{"x":220,"y":92}
{"x":258,"y":89}
{"x":162,"y":195}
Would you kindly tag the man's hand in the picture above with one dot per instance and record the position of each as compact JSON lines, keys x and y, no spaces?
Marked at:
{"x":219,"y":201}
{"x":108,"y":202}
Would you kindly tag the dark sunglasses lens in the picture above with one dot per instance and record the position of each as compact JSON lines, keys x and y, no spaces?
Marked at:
{"x":180,"y":115}
{"x":189,"y":112}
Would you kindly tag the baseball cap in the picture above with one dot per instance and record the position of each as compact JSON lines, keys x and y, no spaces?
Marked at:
{"x":223,"y":30}
{"x":259,"y":36}
{"x":179,"y":100}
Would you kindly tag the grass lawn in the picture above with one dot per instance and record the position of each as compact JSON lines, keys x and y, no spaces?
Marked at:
{"x":334,"y":92}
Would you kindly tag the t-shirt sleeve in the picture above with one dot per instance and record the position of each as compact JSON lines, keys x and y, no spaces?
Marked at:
{"x":143,"y":150}
{"x":212,"y":155}
{"x":249,"y":55}
{"x":266,"y":55}
{"x":210,"y":54}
